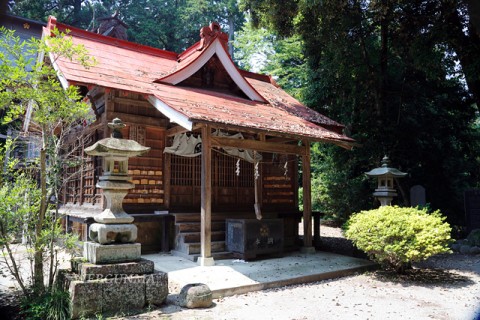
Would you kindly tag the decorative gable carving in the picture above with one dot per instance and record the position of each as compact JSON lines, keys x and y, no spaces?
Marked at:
{"x":210,"y":33}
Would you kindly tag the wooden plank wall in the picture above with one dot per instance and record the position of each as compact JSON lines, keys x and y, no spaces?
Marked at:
{"x":145,"y":125}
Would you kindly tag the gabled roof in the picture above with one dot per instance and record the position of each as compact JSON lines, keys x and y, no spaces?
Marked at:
{"x":159,"y":74}
{"x":197,"y":56}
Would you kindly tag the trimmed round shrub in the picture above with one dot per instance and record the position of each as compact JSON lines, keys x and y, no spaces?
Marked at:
{"x":395,"y":237}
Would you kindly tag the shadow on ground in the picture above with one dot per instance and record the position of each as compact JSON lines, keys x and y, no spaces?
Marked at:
{"x":425,"y":277}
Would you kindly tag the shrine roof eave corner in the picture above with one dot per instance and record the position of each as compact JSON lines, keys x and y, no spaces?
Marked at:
{"x":171,"y":113}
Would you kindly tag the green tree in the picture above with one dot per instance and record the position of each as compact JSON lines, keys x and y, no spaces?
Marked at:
{"x":171,"y":25}
{"x":261,"y":50}
{"x":393,"y":74}
{"x":30,"y":83}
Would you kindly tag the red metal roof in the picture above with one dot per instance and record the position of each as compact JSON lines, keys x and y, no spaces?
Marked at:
{"x":132,"y":67}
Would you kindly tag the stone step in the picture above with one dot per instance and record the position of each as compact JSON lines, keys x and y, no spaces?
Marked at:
{"x":195,"y":226}
{"x":191,"y":237}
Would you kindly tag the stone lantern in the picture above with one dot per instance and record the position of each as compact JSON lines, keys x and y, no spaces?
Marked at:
{"x":115,"y":278}
{"x":114,"y":226}
{"x":385,"y":175}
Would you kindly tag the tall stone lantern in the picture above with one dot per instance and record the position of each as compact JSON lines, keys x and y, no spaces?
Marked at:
{"x":385,"y":191}
{"x":115,"y":278}
{"x":113,"y":233}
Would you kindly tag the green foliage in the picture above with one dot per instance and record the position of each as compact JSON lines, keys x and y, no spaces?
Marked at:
{"x":260,"y":50}
{"x":19,"y":197}
{"x":389,"y":71}
{"x":28,"y":82}
{"x":53,"y":305}
{"x":170,"y":24}
{"x":395,"y":237}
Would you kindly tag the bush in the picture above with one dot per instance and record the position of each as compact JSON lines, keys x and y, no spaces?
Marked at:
{"x":395,"y":237}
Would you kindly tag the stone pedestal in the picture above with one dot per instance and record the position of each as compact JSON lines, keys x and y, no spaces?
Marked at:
{"x":113,"y":288}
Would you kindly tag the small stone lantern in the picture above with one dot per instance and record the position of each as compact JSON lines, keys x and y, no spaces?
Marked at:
{"x":385,"y":175}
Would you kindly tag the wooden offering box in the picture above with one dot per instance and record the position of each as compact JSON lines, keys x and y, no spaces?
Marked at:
{"x":248,"y":238}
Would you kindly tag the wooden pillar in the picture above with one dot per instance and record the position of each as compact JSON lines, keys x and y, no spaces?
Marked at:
{"x":206,"y":258}
{"x":258,"y":187}
{"x":167,"y":174}
{"x":307,"y":200}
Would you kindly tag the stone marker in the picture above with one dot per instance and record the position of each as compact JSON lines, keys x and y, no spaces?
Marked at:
{"x":472,"y":209}
{"x":417,"y":196}
{"x":195,"y":295}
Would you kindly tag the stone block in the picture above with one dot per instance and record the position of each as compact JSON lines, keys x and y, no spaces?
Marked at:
{"x":474,"y":250}
{"x":76,"y":263}
{"x":112,"y":233}
{"x":102,"y":254}
{"x":89,"y":271}
{"x":86,"y":298}
{"x":195,"y":295}
{"x":123,"y":293}
{"x":156,"y":288}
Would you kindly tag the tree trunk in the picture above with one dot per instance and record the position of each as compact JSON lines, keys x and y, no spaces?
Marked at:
{"x":466,"y":46}
{"x":383,"y":58}
{"x":38,"y":277}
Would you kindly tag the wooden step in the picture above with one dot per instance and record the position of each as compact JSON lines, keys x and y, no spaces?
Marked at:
{"x":191,"y":237}
{"x":217,"y":216}
{"x":195,"y":226}
{"x":194,"y":248}
{"x":215,"y":255}
{"x":194,"y":257}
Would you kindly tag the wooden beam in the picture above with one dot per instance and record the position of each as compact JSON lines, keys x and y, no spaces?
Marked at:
{"x":108,"y":114}
{"x":307,"y":198}
{"x":281,"y":140}
{"x":179,"y":129}
{"x":344,"y":144}
{"x":133,"y":102}
{"x":261,"y":146}
{"x":137,"y":119}
{"x":206,"y":199}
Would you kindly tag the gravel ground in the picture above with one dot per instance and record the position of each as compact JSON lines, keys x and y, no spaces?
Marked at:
{"x":444,"y":287}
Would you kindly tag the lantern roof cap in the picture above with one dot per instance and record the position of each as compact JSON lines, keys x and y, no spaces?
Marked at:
{"x":385,"y":170}
{"x":115,"y":145}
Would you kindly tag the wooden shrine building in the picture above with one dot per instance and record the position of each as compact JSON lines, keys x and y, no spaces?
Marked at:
{"x":225,"y":145}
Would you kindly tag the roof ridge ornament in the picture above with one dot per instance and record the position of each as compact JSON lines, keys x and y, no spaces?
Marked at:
{"x":210,"y":33}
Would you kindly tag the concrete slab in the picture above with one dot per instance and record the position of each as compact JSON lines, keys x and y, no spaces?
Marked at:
{"x":229,"y":277}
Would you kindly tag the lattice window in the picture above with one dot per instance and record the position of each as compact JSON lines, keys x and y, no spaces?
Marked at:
{"x":187,"y":171}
